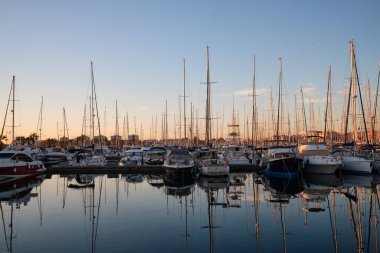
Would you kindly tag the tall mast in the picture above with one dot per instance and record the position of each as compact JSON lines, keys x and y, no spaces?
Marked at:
{"x":279,"y":102}
{"x":13,"y":108}
{"x":272,"y":128}
{"x":360,"y":94}
{"x":180,"y":120}
{"x":208,"y":102}
{"x":39,"y":124}
{"x":374,"y":118}
{"x":92,"y":115}
{"x":348,"y":99}
{"x":304,"y":112}
{"x":117,"y":128}
{"x":369,"y":108}
{"x":184,"y":98}
{"x":64,"y":127}
{"x":327,"y":104}
{"x":191,"y":124}
{"x":254,"y":102}
{"x":127,"y":126}
{"x":6,"y":111}
{"x":166,"y":121}
{"x":296,"y":118}
{"x":94,"y":99}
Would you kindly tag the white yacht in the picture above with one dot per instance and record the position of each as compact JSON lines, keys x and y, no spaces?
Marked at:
{"x":212,"y":165}
{"x":237,"y":155}
{"x":317,"y":159}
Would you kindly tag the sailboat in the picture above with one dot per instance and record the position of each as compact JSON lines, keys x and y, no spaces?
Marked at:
{"x":316,"y":155}
{"x":351,"y":161}
{"x":16,"y":164}
{"x":97,"y":155}
{"x":282,"y":159}
{"x":210,"y":163}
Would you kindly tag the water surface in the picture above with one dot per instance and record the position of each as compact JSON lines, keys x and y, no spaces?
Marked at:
{"x":145,"y":213}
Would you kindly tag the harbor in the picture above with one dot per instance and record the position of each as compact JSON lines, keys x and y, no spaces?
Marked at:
{"x":189,"y":126}
{"x":198,"y":215}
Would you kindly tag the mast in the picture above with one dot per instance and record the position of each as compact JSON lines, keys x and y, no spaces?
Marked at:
{"x":166,"y":121}
{"x":92,"y":127}
{"x":374,"y":118}
{"x":6,"y":111}
{"x":180,"y":120}
{"x":208,"y":102}
{"x":273,"y":127}
{"x":13,"y":109}
{"x":304,"y":112}
{"x":117,"y":128}
{"x":94,"y":99}
{"x":254,"y":102}
{"x":327,"y":104}
{"x":184,"y":98}
{"x":369,"y":108}
{"x":295,"y":118}
{"x":39,"y":124}
{"x":279,"y":102}
{"x":64,"y":127}
{"x":84,"y":126}
{"x":356,"y":76}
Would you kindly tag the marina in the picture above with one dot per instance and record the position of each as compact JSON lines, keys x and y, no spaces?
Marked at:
{"x":142,"y":213}
{"x":189,"y":126}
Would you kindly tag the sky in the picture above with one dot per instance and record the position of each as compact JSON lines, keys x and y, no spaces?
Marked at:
{"x":138,"y":48}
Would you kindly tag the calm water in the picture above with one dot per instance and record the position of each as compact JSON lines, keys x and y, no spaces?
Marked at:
{"x":243,"y":213}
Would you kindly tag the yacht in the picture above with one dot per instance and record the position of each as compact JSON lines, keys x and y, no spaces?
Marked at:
{"x":212,"y":165}
{"x":17,"y":164}
{"x":317,"y":158}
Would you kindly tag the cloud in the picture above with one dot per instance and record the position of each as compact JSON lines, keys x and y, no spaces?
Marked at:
{"x":248,"y":92}
{"x":309,"y":90}
{"x":314,"y":100}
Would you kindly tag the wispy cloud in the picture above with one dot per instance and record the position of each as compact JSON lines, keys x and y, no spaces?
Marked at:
{"x":248,"y":92}
{"x":309,"y":90}
{"x":314,"y":100}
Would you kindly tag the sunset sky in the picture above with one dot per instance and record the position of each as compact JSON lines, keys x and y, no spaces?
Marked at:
{"x":138,"y":48}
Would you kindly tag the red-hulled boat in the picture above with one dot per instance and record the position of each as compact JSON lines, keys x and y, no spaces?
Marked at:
{"x":17,"y":164}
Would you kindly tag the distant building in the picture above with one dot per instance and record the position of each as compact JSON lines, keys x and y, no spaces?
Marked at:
{"x":133,"y":139}
{"x":116,"y":140}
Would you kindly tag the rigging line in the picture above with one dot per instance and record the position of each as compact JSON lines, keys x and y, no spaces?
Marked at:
{"x":98,"y":211}
{"x":5,"y":231}
{"x":369,"y":223}
{"x":6,"y":111}
{"x":331,"y":223}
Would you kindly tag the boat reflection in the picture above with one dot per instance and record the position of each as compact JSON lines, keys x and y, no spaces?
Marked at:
{"x":362,"y":198}
{"x":82,"y":181}
{"x":134,"y":178}
{"x":178,"y":185}
{"x":279,"y":192}
{"x":235,"y":189}
{"x":13,"y":195}
{"x":216,"y":194}
{"x":281,"y":189}
{"x":156,"y":181}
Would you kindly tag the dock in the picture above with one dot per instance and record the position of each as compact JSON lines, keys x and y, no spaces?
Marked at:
{"x":158,"y":169}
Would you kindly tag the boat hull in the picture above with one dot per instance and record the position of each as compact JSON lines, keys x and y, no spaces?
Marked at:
{"x":353,"y":164}
{"x":288,"y":167}
{"x":15,"y":171}
{"x":321,"y":165}
{"x":214,"y":170}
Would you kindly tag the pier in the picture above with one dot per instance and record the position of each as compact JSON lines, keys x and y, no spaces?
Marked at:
{"x":159,"y":169}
